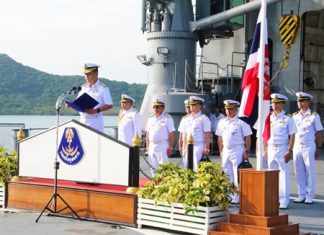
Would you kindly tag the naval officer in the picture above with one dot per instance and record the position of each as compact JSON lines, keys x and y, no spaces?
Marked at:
{"x":159,"y":135}
{"x":197,"y":125}
{"x":280,"y":145}
{"x":129,"y":120}
{"x":181,"y":129}
{"x":100,"y":92}
{"x":308,"y":141}
{"x":234,"y":142}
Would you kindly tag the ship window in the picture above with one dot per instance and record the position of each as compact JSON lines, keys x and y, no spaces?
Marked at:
{"x":163,"y":51}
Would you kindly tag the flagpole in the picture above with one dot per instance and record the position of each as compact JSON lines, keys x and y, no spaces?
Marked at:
{"x":261,"y":86}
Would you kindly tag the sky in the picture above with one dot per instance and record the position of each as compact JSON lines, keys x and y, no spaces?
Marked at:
{"x":59,"y":36}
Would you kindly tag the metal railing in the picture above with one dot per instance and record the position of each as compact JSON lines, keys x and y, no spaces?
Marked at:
{"x":9,"y":131}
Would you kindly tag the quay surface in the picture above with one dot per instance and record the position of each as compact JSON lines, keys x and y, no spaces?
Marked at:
{"x":17,"y":222}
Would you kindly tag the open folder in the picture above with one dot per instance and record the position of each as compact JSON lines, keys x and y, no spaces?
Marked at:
{"x":82,"y":103}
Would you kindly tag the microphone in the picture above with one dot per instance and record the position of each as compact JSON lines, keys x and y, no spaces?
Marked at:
{"x":73,"y":90}
{"x":60,"y":100}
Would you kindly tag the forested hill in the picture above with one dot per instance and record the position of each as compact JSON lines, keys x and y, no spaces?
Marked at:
{"x":25,"y":90}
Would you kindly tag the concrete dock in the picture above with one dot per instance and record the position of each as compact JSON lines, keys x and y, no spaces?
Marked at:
{"x":18,"y":222}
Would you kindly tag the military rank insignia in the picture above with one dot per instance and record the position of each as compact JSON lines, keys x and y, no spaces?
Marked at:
{"x":70,"y":150}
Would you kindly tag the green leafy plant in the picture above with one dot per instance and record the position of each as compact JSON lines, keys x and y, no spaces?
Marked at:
{"x":8,"y":165}
{"x":209,"y":186}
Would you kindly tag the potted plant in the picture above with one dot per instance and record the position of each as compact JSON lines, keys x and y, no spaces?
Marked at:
{"x":8,"y":168}
{"x":184,"y":200}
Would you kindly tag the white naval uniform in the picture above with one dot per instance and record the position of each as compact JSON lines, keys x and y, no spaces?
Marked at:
{"x":159,"y":129}
{"x":100,"y":93}
{"x":196,"y":125}
{"x":214,"y":120}
{"x":181,"y":129}
{"x":304,"y":152}
{"x":281,"y":127}
{"x":233,"y":131}
{"x":129,"y":124}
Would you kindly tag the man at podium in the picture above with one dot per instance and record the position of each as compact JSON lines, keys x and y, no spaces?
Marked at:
{"x":93,"y":117}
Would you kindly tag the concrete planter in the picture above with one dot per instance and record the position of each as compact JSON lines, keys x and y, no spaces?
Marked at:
{"x":164,"y":215}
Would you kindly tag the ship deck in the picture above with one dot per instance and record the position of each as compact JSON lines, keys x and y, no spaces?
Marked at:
{"x":309,"y":217}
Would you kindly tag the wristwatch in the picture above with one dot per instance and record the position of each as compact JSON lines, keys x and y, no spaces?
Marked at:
{"x":98,"y":110}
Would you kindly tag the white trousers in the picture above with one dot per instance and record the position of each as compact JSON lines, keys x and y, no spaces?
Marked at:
{"x":157,"y":155}
{"x":198,"y":151}
{"x":231,"y":159}
{"x":304,"y":164}
{"x":276,"y":161}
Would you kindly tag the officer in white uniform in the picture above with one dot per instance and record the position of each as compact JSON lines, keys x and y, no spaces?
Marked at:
{"x":234,"y":142}
{"x":129,"y":120}
{"x":181,"y":129}
{"x":100,"y":92}
{"x":159,"y":135}
{"x":198,"y":126}
{"x":308,"y":141}
{"x":214,"y":117}
{"x":280,"y":145}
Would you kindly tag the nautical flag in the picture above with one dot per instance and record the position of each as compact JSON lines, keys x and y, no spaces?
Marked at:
{"x":250,"y":83}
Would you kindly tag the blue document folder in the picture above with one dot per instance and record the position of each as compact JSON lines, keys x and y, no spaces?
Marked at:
{"x":83,"y":102}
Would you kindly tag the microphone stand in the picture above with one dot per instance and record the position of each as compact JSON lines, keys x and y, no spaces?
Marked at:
{"x":53,"y":210}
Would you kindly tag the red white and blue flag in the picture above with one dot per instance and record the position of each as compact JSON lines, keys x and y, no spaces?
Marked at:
{"x":250,"y":84}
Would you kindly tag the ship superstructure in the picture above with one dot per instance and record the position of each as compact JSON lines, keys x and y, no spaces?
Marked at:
{"x":201,"y":47}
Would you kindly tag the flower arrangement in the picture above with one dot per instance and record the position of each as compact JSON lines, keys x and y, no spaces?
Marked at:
{"x":8,"y":165}
{"x":208,"y":187}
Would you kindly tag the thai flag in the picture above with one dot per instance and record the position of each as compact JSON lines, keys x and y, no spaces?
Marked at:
{"x":250,"y":84}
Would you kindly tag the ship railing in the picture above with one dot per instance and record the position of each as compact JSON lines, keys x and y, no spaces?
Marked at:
{"x":9,"y":131}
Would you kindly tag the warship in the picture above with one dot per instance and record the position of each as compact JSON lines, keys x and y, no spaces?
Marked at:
{"x":201,"y":48}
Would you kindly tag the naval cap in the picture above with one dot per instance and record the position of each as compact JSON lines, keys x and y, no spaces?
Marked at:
{"x":126,"y":98}
{"x":277,"y":98}
{"x":231,"y":104}
{"x":196,"y":100}
{"x":89,"y":67}
{"x":186,"y":102}
{"x":303,"y":96}
{"x":157,"y":101}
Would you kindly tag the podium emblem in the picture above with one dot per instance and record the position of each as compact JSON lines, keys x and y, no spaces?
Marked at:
{"x":70,"y":150}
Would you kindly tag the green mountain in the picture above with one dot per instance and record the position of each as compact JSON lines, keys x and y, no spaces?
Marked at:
{"x":27,"y":91}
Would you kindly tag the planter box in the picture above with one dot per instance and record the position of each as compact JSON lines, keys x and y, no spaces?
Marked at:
{"x":164,"y":215}
{"x":2,"y":197}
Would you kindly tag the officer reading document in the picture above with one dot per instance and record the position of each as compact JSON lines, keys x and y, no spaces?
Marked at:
{"x":92,"y":117}
{"x":308,"y":141}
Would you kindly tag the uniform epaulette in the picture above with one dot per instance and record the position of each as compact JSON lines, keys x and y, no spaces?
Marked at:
{"x":288,"y":114}
{"x":295,"y":113}
{"x":102,"y":84}
{"x":314,"y":113}
{"x":185,"y":116}
{"x":167,"y":115}
{"x":152,"y":115}
{"x":84,"y":84}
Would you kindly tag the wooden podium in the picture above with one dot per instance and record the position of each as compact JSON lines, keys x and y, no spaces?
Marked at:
{"x":259,"y":207}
